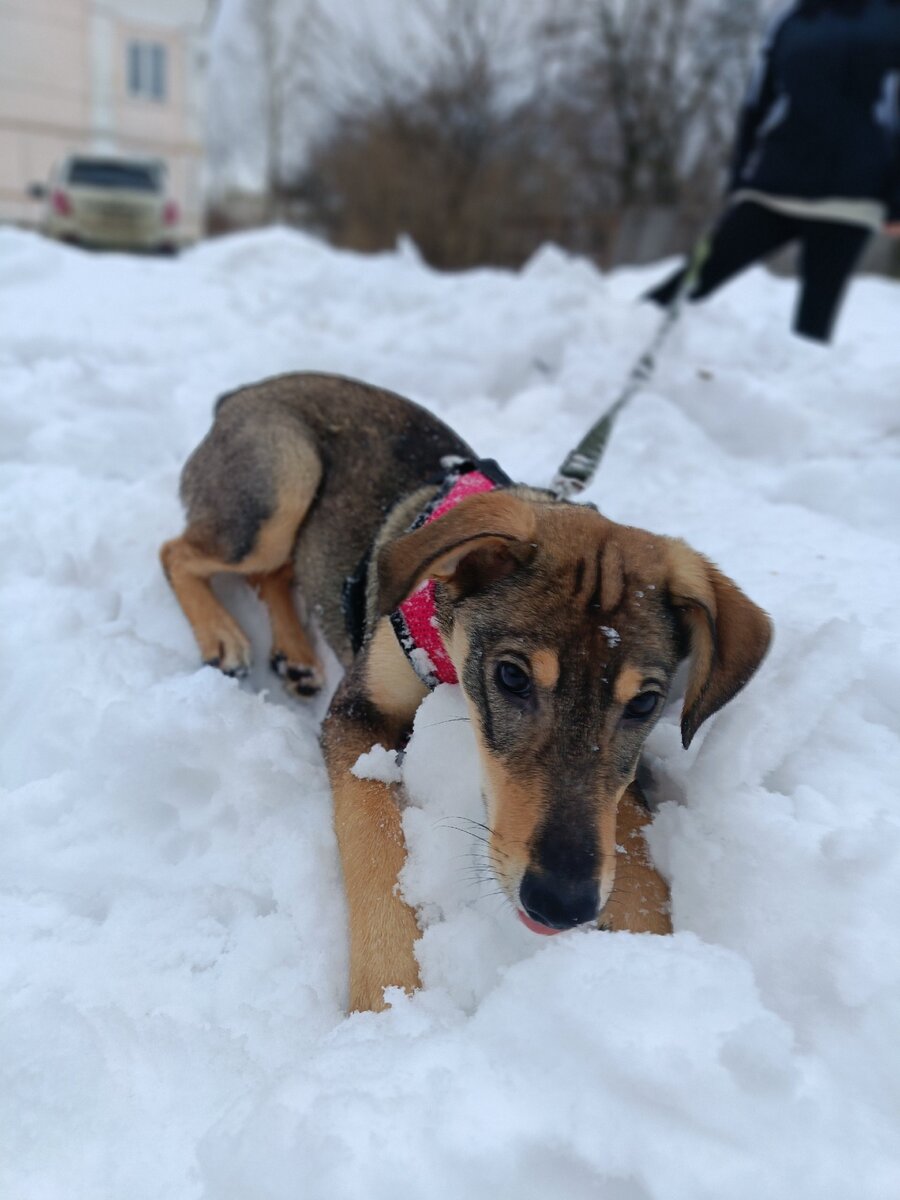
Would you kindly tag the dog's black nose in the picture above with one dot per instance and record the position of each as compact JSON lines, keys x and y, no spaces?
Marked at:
{"x":557,"y":901}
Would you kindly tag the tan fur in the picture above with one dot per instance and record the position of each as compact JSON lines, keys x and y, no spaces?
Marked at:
{"x":628,"y":684}
{"x":689,"y":575}
{"x":458,"y":647}
{"x":393,"y":686}
{"x":639,"y":901}
{"x":383,"y":928}
{"x":515,"y":808}
{"x":289,"y":638}
{"x":612,"y":576}
{"x":545,"y":664}
{"x":219,"y":637}
{"x":276,"y":537}
{"x":607,"y":849}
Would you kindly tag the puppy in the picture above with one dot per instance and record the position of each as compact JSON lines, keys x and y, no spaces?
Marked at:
{"x":563,"y":629}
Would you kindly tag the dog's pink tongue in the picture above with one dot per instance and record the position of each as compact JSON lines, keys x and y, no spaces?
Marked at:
{"x":535,"y":926}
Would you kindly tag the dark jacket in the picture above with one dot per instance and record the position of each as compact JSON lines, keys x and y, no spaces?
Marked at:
{"x":822,"y":118}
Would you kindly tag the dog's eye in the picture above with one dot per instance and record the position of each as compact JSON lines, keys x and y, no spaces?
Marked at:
{"x":513,"y":680}
{"x":641,"y":707}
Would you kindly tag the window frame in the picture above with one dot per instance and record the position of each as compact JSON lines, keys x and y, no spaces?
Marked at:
{"x":146,"y":70}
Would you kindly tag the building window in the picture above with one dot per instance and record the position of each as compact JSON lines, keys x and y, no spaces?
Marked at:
{"x":147,"y":70}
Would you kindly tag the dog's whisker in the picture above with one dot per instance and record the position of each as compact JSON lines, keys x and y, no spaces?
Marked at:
{"x":455,"y":817}
{"x":468,"y":833}
{"x":446,"y":823}
{"x":487,"y":870}
{"x":498,"y":902}
{"x":446,"y":721}
{"x":443,"y":824}
{"x":486,"y":828}
{"x":486,"y":867}
{"x":478,"y":846}
{"x":471,"y":821}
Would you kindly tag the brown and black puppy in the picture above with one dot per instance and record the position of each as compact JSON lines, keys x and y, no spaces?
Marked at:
{"x":565,"y":630}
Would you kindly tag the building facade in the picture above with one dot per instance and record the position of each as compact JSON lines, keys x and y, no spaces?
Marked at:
{"x":105,"y":76}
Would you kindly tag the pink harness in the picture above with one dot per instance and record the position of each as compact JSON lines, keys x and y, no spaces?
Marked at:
{"x":415,"y":621}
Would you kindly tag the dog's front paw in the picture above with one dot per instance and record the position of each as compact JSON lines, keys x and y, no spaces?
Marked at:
{"x":367,"y":1000}
{"x":300,"y":679}
{"x":395,"y":967}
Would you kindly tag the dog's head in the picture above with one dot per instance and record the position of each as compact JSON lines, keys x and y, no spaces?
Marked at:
{"x":566,"y":630}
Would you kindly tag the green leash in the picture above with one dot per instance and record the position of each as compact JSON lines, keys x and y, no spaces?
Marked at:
{"x":580,"y":467}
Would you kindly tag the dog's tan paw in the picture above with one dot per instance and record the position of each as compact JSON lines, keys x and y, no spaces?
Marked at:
{"x":299,"y":678}
{"x":227,"y":648}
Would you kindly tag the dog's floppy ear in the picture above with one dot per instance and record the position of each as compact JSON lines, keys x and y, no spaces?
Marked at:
{"x":483,"y":539}
{"x":728,"y":634}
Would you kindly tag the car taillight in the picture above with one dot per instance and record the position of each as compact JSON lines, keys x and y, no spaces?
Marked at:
{"x":170,"y":213}
{"x":62,"y":205}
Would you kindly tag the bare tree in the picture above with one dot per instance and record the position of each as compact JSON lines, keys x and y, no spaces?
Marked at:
{"x":421,"y":125}
{"x":279,"y":27}
{"x":484,"y":128}
{"x":657,"y":85}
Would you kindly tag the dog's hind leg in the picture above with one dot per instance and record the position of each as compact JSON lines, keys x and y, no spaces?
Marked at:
{"x":247,"y":489}
{"x":222,"y":642}
{"x":292,"y":656}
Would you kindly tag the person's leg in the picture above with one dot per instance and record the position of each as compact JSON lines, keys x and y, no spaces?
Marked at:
{"x":746,"y":233}
{"x":831,"y":251}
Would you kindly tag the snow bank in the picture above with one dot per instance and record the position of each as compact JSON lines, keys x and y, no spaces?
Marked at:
{"x":173,"y":957}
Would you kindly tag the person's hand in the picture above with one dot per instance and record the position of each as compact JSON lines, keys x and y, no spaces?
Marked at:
{"x":892,"y":229}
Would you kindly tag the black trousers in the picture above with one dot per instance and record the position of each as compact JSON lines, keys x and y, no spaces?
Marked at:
{"x":747,"y":232}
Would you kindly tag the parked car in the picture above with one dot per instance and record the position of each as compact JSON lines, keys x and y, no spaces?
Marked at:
{"x":119,"y":203}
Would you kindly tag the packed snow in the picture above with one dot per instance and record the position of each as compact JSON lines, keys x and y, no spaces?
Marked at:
{"x":173,"y":952}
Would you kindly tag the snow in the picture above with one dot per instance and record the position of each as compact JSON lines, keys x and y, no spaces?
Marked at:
{"x":378,"y":763}
{"x":172,"y":932}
